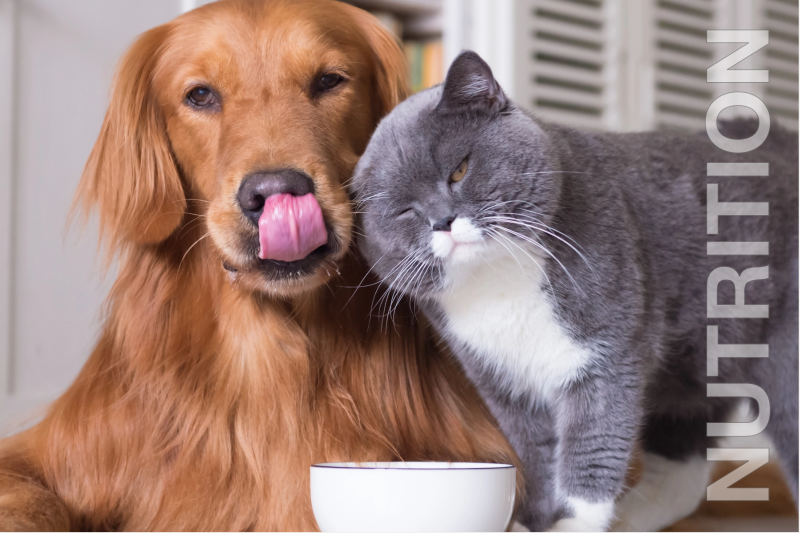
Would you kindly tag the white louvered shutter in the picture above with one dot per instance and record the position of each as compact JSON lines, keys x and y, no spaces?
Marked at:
{"x":681,"y":56}
{"x":567,"y":54}
{"x":781,"y":93}
{"x":626,"y":65}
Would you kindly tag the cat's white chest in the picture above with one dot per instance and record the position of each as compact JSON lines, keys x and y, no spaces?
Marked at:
{"x":500,"y":311}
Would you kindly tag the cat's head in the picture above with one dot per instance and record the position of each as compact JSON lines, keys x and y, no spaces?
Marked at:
{"x":452,"y":176}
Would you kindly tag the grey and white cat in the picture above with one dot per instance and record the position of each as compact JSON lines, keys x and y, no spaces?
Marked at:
{"x":568,"y":272}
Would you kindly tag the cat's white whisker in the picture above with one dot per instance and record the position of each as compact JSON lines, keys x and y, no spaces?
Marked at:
{"x":391,"y":281}
{"x":552,"y":228}
{"x":495,"y":205}
{"x":548,"y":252}
{"x":372,"y":197}
{"x":544,"y":249}
{"x":387,"y":207}
{"x":511,"y":241}
{"x":414,"y":281}
{"x":534,"y":215}
{"x":399,"y":285}
{"x":396,"y":293}
{"x":543,"y":228}
{"x":552,"y":172}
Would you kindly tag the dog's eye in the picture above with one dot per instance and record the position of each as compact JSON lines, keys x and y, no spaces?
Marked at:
{"x":329,"y":81}
{"x":201,"y":97}
{"x":458,"y":174}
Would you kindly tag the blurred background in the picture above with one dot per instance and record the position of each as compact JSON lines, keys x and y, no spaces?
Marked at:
{"x":620,"y":65}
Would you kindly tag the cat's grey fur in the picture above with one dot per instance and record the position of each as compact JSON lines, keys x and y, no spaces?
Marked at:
{"x":627,"y":219}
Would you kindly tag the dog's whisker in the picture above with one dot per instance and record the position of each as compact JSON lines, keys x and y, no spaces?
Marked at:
{"x":360,"y":284}
{"x":190,"y":248}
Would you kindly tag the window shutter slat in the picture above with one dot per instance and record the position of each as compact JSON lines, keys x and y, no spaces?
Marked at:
{"x":568,"y":47}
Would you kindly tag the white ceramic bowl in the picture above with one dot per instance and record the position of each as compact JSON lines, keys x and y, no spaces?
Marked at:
{"x":412,"y":496}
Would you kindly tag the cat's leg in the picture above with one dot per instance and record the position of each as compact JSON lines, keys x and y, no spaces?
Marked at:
{"x":596,"y":422}
{"x":530,"y":430}
{"x":532,"y":434}
{"x":674,"y":477}
{"x":535,"y":442}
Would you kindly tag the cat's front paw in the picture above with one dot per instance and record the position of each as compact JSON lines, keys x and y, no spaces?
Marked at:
{"x":588,"y":516}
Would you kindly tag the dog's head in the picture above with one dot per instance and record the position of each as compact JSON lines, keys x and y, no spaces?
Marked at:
{"x":250,"y":116}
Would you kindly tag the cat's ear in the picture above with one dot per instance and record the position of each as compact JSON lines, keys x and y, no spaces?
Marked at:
{"x":470,"y":83}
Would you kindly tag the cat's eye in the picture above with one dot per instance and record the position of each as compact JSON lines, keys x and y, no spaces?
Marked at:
{"x":405,"y":212}
{"x":458,"y":174}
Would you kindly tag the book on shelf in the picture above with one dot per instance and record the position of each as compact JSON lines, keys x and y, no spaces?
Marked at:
{"x":424,"y":59}
{"x":423,"y":56}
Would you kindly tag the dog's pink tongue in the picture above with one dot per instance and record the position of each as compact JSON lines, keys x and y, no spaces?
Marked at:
{"x":291,"y":227}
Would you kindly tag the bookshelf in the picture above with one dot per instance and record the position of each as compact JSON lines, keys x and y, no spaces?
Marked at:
{"x":420,"y":18}
{"x":418,"y":24}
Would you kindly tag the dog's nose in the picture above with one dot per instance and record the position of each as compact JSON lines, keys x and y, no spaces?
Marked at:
{"x":257,"y":187}
{"x":444,"y":224}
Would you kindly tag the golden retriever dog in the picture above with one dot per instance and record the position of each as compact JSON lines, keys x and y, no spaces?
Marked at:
{"x":236,"y":350}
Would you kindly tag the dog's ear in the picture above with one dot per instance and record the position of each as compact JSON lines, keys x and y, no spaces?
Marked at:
{"x":131,"y":178}
{"x":392,"y":76}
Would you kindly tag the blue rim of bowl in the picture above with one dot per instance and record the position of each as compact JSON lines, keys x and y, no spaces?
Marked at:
{"x":486,"y":466}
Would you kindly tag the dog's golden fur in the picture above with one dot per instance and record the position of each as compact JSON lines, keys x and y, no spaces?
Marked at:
{"x":210,"y":392}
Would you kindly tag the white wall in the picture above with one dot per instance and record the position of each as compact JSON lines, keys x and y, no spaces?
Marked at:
{"x":56,"y":62}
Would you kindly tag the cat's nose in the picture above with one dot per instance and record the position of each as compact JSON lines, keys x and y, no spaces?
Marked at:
{"x":444,"y":224}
